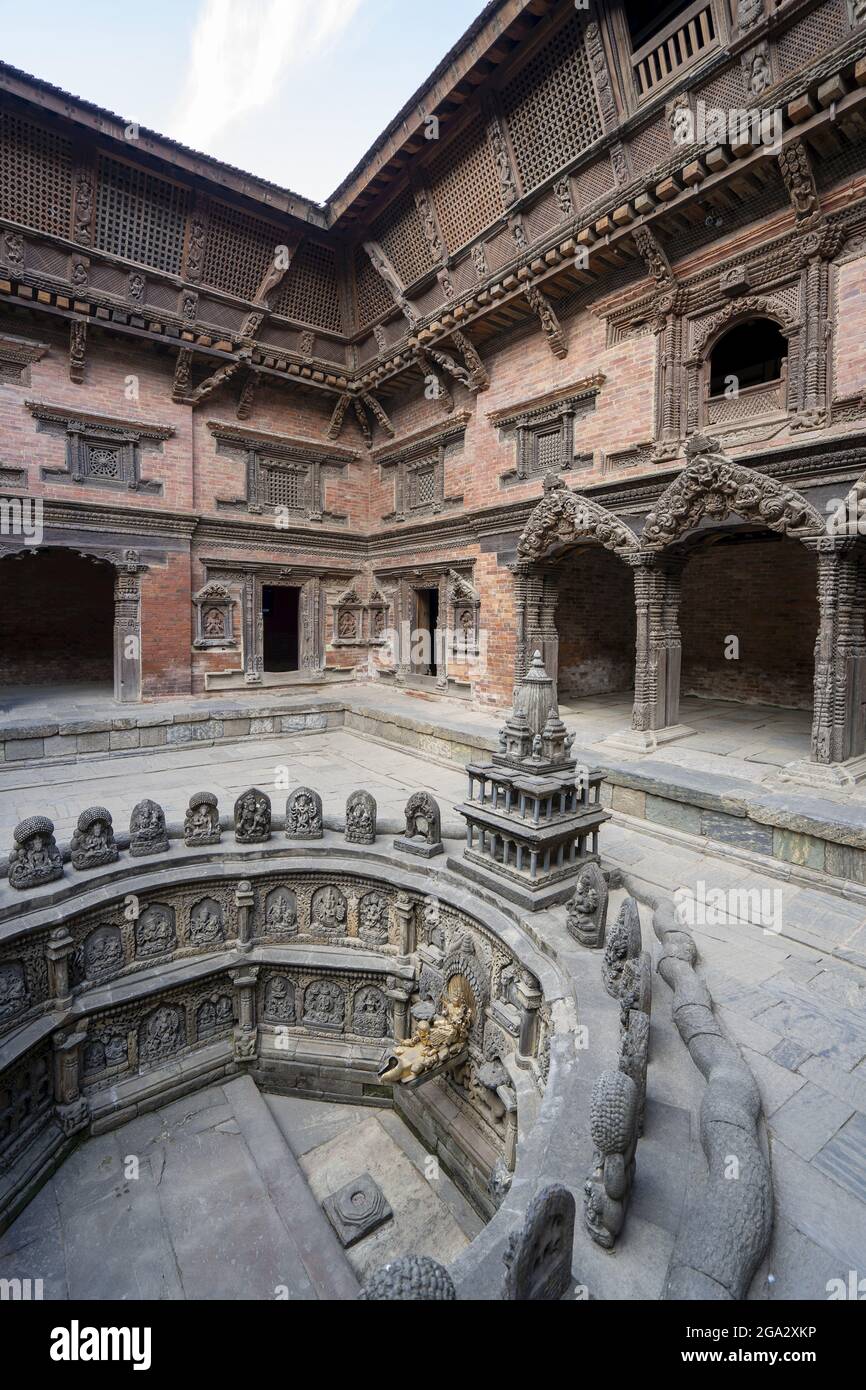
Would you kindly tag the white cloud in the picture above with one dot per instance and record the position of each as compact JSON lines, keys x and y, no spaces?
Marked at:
{"x":242,"y":50}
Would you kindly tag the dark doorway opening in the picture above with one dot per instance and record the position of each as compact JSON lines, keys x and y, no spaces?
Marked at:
{"x":280,"y":611}
{"x":56,"y":620}
{"x":427,"y":621}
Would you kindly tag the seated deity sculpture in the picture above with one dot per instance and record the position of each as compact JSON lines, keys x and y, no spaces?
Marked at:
{"x":587,"y":911}
{"x":281,"y":912}
{"x":361,"y":819}
{"x":201,"y":824}
{"x":93,"y":841}
{"x":252,"y":817}
{"x":147,"y":830}
{"x":304,"y":815}
{"x":35,"y":858}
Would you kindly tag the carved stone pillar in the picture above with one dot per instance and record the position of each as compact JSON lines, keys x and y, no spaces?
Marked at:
{"x":252,"y":622}
{"x":535,"y":600}
{"x":400,"y":992}
{"x":658,"y":655}
{"x":59,"y":953}
{"x":510,"y":1132}
{"x":528,"y":997}
{"x":246,"y":1034}
{"x":840,"y":653}
{"x":814,"y":350}
{"x":127,"y":631}
{"x":245,"y":903}
{"x":404,"y":911}
{"x":71,"y":1108}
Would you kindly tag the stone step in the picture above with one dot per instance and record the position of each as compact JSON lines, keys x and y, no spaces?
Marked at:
{"x":307,"y":1227}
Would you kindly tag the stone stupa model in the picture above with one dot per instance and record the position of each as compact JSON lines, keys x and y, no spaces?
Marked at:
{"x":532,"y":823}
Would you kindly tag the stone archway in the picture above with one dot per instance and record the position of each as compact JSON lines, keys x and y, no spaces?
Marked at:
{"x":709,"y":490}
{"x":95,"y":598}
{"x":712,"y":488}
{"x":562,"y":521}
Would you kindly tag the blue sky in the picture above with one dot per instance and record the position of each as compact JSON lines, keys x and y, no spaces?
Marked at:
{"x":292,"y":90}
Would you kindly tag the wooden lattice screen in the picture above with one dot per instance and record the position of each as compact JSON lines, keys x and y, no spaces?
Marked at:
{"x":465,"y":186}
{"x":551,"y":106}
{"x":240,"y":247}
{"x":35,"y":176}
{"x":400,"y":233}
{"x":372,"y":296}
{"x":139,"y":216}
{"x":310,"y":292}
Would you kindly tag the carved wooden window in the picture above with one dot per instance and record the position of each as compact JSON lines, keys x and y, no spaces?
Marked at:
{"x":465,"y":186}
{"x":140,"y":217}
{"x":100,"y":450}
{"x":746,"y":374}
{"x":35,"y":176}
{"x":545,"y":435}
{"x":551,"y":106}
{"x":94,"y":459}
{"x":310,"y":292}
{"x":285,"y":486}
{"x":548,"y":451}
{"x":422,"y":484}
{"x":665,"y":46}
{"x":239,"y":250}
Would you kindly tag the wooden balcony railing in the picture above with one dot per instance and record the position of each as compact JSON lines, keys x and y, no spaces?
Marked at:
{"x":686,"y":38}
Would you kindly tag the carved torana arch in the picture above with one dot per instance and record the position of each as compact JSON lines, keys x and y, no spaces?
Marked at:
{"x":739,"y":311}
{"x":712,"y":486}
{"x":563,"y":518}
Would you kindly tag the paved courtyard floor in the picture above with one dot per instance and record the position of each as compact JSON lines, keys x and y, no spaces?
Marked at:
{"x":747,"y":741}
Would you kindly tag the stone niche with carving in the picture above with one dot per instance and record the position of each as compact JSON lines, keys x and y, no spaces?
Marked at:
{"x":464,"y":616}
{"x":284,"y":476}
{"x":214,"y":618}
{"x":360,"y":623}
{"x":543,"y":432}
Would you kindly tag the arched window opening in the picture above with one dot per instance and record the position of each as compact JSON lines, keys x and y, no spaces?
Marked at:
{"x":749,"y":354}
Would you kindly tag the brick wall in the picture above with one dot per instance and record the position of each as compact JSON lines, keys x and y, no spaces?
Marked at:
{"x":166,"y":627}
{"x":850,"y":328}
{"x":595,"y":618}
{"x":764,"y":594}
{"x":56,"y":620}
